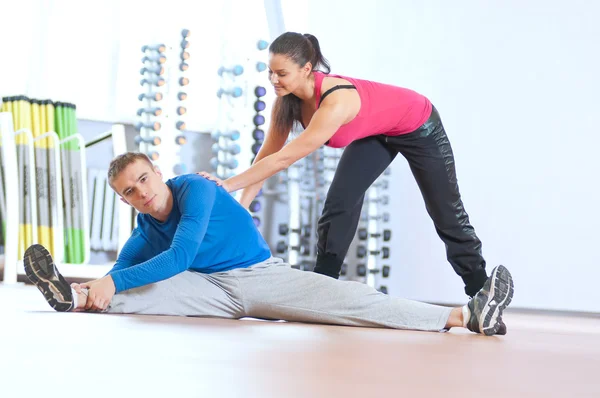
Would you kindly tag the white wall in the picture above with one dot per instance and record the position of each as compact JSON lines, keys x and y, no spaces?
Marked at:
{"x":516,"y":83}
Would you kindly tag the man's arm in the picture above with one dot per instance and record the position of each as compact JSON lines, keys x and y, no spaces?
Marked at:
{"x":196,"y":205}
{"x":130,"y":255}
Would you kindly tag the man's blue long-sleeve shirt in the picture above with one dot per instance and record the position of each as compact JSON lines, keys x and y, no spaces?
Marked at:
{"x":207,"y":231}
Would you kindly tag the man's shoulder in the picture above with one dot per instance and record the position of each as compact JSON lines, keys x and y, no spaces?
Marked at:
{"x":187,"y":181}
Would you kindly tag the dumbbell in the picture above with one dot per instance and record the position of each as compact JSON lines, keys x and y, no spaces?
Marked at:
{"x":260,"y":91}
{"x":153,"y":81}
{"x":185,"y":33}
{"x":234,"y":149}
{"x":262,"y":45}
{"x":233,"y":135}
{"x":344,"y":269}
{"x":259,"y":106}
{"x":157,"y":57}
{"x":383,"y":289}
{"x":153,"y":155}
{"x":157,"y":70}
{"x":302,"y":248}
{"x":383,"y":184}
{"x":385,"y":217}
{"x":151,"y":96}
{"x":180,"y":140}
{"x":363,"y":234}
{"x":256,"y":147}
{"x":230,"y":164}
{"x":258,"y":120}
{"x":256,"y":221}
{"x":181,"y":110}
{"x":184,"y":81}
{"x":184,"y":44}
{"x":151,"y":126}
{"x":151,"y":111}
{"x":180,"y":125}
{"x":181,"y":96}
{"x":234,"y":92}
{"x":261,"y":66}
{"x":180,"y":169}
{"x":154,"y":47}
{"x":255,"y":206}
{"x":362,"y":251}
{"x":184,"y":66}
{"x":235,"y":71}
{"x":258,"y":134}
{"x":184,"y":55}
{"x":148,"y":140}
{"x":361,"y":270}
{"x":304,"y":230}
{"x":383,"y":199}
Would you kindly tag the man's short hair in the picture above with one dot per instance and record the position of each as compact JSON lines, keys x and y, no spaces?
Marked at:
{"x":119,"y":163}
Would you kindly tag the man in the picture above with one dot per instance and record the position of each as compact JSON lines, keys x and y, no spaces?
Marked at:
{"x":197,"y":252}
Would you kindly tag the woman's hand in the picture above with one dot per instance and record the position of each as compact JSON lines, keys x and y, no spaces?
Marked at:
{"x":210,"y":177}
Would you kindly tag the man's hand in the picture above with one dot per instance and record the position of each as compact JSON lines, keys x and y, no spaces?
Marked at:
{"x":219,"y":181}
{"x":100,"y":293}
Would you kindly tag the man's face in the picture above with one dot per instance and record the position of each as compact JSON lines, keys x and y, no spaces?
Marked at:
{"x":141,"y":186}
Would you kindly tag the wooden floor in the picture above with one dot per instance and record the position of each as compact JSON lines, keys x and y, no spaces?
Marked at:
{"x":49,"y":354}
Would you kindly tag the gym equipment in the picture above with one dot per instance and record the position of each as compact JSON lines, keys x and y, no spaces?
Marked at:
{"x":233,"y":149}
{"x":180,"y":125}
{"x":258,"y":120}
{"x":233,"y":135}
{"x":255,"y":206}
{"x":150,"y":126}
{"x":303,"y":231}
{"x":180,"y":140}
{"x":148,"y":140}
{"x":262,"y":45}
{"x":259,"y":106}
{"x":256,"y":147}
{"x":153,"y":81}
{"x":150,"y":111}
{"x":302,"y":248}
{"x":382,"y":199}
{"x":154,"y":47}
{"x":363,"y":234}
{"x":230,"y":164}
{"x":184,"y":44}
{"x":260,"y":91}
{"x":234,"y":92}
{"x":256,"y":221}
{"x":183,"y":66}
{"x":383,"y":289}
{"x":151,"y":96}
{"x":236,"y":70}
{"x":157,"y":70}
{"x":261,"y":67}
{"x":180,"y":169}
{"x":361,"y":251}
{"x":185,"y":33}
{"x":385,"y":217}
{"x":156,"y":58}
{"x":184,"y":81}
{"x":258,"y":134}
{"x":185,"y":55}
{"x":181,"y":110}
{"x":362,"y":270}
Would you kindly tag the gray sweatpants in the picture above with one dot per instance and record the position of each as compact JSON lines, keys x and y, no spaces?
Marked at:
{"x":274,"y":290}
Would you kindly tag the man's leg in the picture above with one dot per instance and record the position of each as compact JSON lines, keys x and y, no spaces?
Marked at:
{"x":431,"y":160}
{"x":274,"y":290}
{"x":187,"y":294}
{"x":361,"y":163}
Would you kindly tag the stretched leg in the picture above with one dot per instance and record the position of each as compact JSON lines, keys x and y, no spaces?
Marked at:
{"x":361,"y":163}
{"x":187,"y":294}
{"x":431,"y":160}
{"x":274,"y":290}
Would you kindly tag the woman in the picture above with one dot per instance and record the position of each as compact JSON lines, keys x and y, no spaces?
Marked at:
{"x":374,"y":122}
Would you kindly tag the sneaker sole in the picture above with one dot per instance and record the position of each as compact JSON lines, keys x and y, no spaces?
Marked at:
{"x":501,"y":293}
{"x":42,"y":272}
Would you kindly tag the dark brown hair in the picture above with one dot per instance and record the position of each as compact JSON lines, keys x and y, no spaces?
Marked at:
{"x":300,"y":48}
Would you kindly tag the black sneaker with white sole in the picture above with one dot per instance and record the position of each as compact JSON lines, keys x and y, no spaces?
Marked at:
{"x":42,"y":272}
{"x":488,"y":304}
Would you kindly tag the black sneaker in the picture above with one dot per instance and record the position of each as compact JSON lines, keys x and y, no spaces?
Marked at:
{"x":487,"y":305}
{"x":42,"y":272}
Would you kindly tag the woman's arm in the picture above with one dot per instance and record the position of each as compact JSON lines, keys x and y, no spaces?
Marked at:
{"x":323,"y":125}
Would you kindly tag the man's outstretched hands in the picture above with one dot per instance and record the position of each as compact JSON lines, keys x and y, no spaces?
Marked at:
{"x":100,"y":293}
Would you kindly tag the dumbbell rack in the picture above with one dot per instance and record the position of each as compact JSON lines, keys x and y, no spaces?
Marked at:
{"x":163,"y":79}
